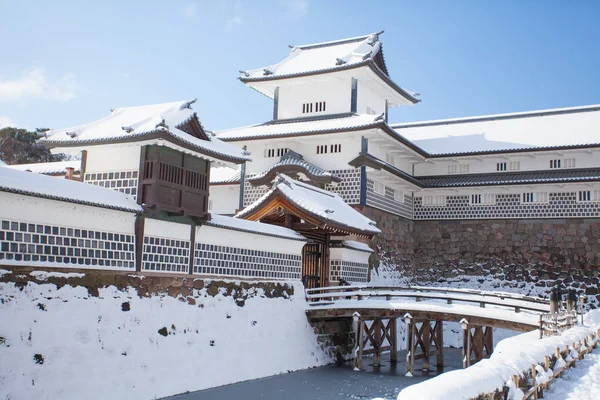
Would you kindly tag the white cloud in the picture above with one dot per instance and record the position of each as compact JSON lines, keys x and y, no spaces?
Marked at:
{"x":33,"y":84}
{"x":297,"y":8}
{"x":233,"y":22}
{"x":190,"y":10}
{"x":6,"y":122}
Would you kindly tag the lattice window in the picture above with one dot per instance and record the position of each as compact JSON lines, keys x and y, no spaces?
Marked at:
{"x":278,"y":152}
{"x":166,"y":255}
{"x":335,"y":148}
{"x":458,"y":168}
{"x":214,"y":259}
{"x":322,"y":149}
{"x":565,"y":163}
{"x":122,"y":181}
{"x":514,"y":165}
{"x":318,"y":106}
{"x":29,"y":242}
{"x":588,"y":195}
{"x":399,"y":195}
{"x":371,"y":111}
{"x":378,"y":187}
{"x":434,"y":200}
{"x":501,"y":166}
{"x":484,"y":199}
{"x":534,"y":197}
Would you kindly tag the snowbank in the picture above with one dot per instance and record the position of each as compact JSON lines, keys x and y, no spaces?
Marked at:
{"x":511,"y":357}
{"x":67,"y":344}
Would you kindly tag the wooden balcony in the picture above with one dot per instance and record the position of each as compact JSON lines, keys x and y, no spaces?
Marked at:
{"x":174,"y":182}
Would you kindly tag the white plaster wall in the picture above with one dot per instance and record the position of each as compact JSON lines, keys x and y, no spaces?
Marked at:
{"x":52,"y":212}
{"x":335,"y":92}
{"x":402,"y":160}
{"x":224,"y":199}
{"x":307,"y":146}
{"x":369,"y":98}
{"x":528,"y":162}
{"x":165,"y":229}
{"x":125,"y":157}
{"x":229,"y":237}
{"x":346,"y":254}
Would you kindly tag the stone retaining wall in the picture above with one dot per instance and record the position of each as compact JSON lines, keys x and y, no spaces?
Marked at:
{"x":147,"y":284}
{"x":512,"y":253}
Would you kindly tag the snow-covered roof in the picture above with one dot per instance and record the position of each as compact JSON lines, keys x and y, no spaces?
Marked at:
{"x":353,"y":244}
{"x":49,"y":168}
{"x":326,"y":206}
{"x":224,"y":175}
{"x":293,"y":160}
{"x":22,"y":182}
{"x":243,"y":225}
{"x":466,"y":143}
{"x":337,"y":55}
{"x":296,"y":127}
{"x":145,"y":123}
{"x":541,"y":128}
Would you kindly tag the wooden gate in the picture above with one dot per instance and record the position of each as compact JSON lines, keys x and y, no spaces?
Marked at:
{"x":312,"y":265}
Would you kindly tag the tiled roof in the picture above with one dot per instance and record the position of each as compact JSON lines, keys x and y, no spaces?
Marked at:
{"x":300,"y":127}
{"x":293,"y":159}
{"x":224,"y":175}
{"x":238,"y":224}
{"x":328,"y":57}
{"x":142,"y":123}
{"x":512,"y":178}
{"x":21,"y":182}
{"x":49,"y":168}
{"x":326,"y":206}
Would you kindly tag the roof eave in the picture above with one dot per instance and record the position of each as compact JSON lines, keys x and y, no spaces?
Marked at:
{"x":150,"y":135}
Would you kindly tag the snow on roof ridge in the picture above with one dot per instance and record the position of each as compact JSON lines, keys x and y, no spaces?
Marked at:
{"x":37,"y":185}
{"x":338,"y":41}
{"x":52,"y":167}
{"x":532,"y":113}
{"x":254,"y":226}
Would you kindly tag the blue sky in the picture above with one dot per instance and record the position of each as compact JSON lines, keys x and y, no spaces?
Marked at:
{"x":65,"y":63}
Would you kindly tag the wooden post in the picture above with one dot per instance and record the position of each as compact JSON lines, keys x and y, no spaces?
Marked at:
{"x":533,"y":379}
{"x":489,"y":340}
{"x":394,"y":342}
{"x":377,"y":326}
{"x":439,"y":333}
{"x":426,"y":341}
{"x":360,"y":343}
{"x":410,"y":359}
{"x":466,"y":349}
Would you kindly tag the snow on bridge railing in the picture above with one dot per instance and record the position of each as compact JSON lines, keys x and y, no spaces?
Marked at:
{"x":331,"y":295}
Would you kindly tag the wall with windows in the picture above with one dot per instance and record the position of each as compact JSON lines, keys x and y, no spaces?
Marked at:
{"x":348,"y":264}
{"x":314,"y":99}
{"x":42,"y":232}
{"x":114,"y":167}
{"x":518,"y":201}
{"x":537,"y":161}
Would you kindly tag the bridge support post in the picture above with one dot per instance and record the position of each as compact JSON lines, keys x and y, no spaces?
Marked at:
{"x":393,"y":339}
{"x":426,"y":336}
{"x":478,"y":342}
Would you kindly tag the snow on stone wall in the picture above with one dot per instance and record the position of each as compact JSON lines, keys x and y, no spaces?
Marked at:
{"x":65,"y":343}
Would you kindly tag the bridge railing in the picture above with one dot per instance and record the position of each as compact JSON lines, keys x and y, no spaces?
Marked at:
{"x":332,"y":294}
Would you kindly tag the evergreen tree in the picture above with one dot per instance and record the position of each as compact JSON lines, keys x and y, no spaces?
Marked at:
{"x":20,"y":146}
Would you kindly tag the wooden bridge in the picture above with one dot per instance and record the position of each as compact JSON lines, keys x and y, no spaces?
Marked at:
{"x":376,"y":309}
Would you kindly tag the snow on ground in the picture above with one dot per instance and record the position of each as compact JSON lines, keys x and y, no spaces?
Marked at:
{"x":579,"y":383}
{"x":510,"y":357}
{"x":67,"y":344}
